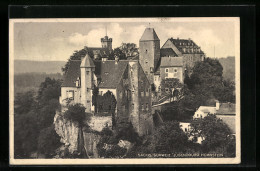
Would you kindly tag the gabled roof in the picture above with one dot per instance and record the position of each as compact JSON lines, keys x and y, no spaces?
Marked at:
{"x":109,"y":73}
{"x":149,"y":34}
{"x":167,"y":52}
{"x":182,"y":44}
{"x":227,"y":109}
{"x":87,"y":62}
{"x":171,"y":61}
{"x":72,"y":74}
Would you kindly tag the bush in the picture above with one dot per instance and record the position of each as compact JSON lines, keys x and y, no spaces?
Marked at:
{"x":48,"y":141}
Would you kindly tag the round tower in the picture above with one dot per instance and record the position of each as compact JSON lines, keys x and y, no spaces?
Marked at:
{"x":106,"y":42}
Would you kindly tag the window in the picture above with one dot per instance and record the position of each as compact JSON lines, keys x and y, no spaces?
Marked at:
{"x":88,"y":101}
{"x":133,"y":106}
{"x":70,"y":94}
{"x":167,"y":89}
{"x":87,"y":72}
{"x":185,"y":129}
{"x":146,"y":51}
{"x":88,"y":89}
{"x":142,"y":93}
{"x":175,"y":70}
{"x":142,"y":107}
{"x":166,"y":70}
{"x":147,"y":107}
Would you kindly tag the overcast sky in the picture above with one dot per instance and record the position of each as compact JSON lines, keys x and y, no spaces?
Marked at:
{"x":56,"y":41}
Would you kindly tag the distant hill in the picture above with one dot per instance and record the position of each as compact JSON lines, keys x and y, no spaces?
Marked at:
{"x":26,"y":66}
{"x":31,"y":81}
{"x":228,"y":67}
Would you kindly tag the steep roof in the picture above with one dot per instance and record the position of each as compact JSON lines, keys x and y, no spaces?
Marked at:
{"x":72,"y":74}
{"x":109,"y":73}
{"x":171,"y":61}
{"x":167,"y":52}
{"x":182,"y":44}
{"x":87,"y":62}
{"x":227,"y":109}
{"x":149,"y":34}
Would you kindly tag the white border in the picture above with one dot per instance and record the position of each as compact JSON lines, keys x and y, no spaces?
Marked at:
{"x":235,"y":160}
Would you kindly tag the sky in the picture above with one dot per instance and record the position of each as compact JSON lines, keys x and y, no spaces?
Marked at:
{"x":56,"y":40}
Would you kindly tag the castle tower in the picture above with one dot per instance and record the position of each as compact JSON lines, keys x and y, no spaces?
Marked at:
{"x":106,"y":43}
{"x":149,"y":52}
{"x":87,"y":68}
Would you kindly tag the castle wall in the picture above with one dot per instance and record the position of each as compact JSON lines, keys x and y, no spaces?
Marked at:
{"x":189,"y":60}
{"x":134,"y":109}
{"x":145,"y":104}
{"x":65,"y":95}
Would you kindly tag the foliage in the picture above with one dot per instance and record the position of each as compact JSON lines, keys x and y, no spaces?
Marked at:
{"x":129,"y":49}
{"x":94,"y":97}
{"x":48,"y":141}
{"x":33,"y":114}
{"x":169,"y":138}
{"x":207,"y":80}
{"x":77,"y":55}
{"x":119,"y":53}
{"x":76,"y":112}
{"x":49,"y":89}
{"x":213,"y":131}
{"x":107,"y":102}
{"x":47,"y":112}
{"x":24,"y":102}
{"x":25,"y":134}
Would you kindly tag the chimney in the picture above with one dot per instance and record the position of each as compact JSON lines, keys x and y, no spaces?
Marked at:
{"x":217,"y":105}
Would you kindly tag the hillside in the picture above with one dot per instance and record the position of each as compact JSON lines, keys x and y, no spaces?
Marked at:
{"x":31,"y":81}
{"x":228,"y":67}
{"x":26,"y":66}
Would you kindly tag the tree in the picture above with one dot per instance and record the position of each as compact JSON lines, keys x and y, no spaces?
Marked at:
{"x":129,"y":49}
{"x":174,"y":87}
{"x":213,"y":131}
{"x":119,"y":53}
{"x":48,"y":141}
{"x":95,"y":97}
{"x":207,"y":80}
{"x":24,"y":102}
{"x":49,"y":89}
{"x":169,"y":138}
{"x":77,"y":55}
{"x":26,"y":133}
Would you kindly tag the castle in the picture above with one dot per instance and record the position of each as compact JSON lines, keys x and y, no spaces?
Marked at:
{"x":129,"y":80}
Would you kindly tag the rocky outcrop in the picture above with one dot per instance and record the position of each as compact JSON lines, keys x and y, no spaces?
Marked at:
{"x":68,"y":131}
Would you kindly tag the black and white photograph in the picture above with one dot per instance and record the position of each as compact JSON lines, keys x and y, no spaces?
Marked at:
{"x":124,"y":91}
